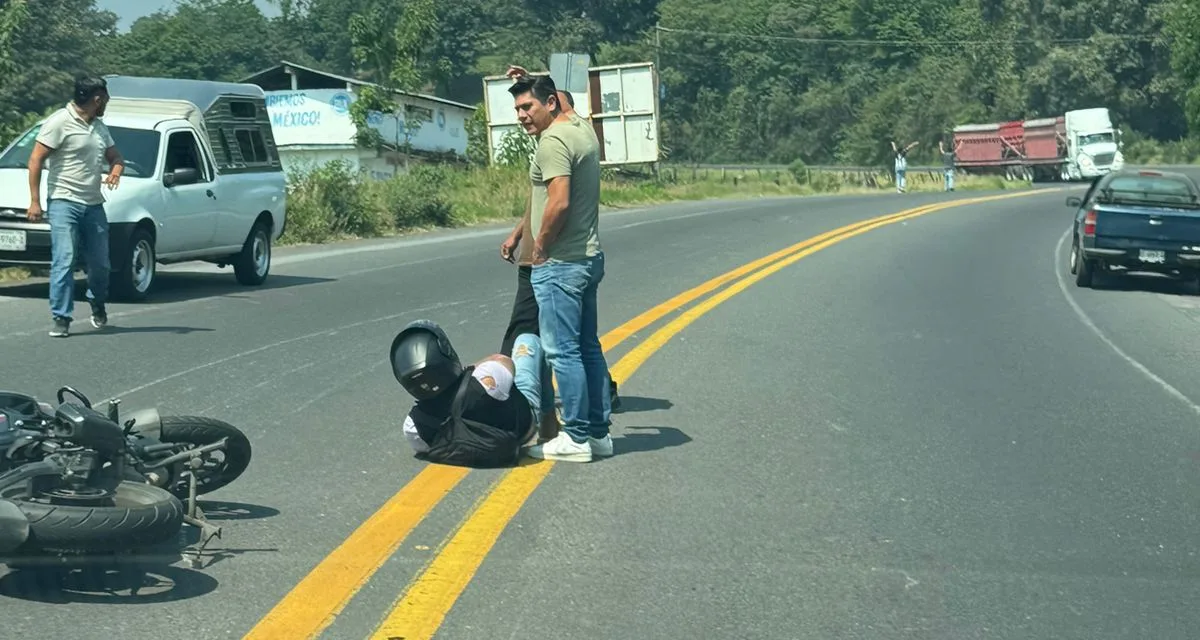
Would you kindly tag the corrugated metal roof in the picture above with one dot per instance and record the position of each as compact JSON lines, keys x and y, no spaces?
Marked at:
{"x":355,"y":81}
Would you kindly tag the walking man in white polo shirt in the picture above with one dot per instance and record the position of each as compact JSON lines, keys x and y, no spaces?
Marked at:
{"x":73,"y":144}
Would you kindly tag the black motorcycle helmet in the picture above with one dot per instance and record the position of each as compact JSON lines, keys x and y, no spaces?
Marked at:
{"x":423,"y":361}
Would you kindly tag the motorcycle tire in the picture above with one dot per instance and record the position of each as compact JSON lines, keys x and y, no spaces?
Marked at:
{"x":145,"y":516}
{"x":199,"y":431}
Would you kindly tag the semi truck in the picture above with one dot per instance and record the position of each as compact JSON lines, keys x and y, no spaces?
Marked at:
{"x":1078,"y":145}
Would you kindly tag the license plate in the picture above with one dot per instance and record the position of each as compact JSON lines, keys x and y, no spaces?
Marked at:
{"x":12,"y":240}
{"x":1152,"y":256}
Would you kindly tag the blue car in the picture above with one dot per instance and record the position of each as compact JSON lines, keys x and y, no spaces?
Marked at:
{"x":1137,"y":221}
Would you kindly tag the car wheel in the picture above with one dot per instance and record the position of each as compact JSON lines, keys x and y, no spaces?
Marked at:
{"x":136,"y":277}
{"x":254,"y":262}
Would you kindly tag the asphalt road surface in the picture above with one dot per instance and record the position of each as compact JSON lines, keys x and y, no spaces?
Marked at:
{"x":924,"y":431}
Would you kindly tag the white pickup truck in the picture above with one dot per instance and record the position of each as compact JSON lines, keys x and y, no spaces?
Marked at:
{"x":202,"y":181}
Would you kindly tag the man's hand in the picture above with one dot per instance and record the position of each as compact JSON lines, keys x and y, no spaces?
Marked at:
{"x":507,"y":247}
{"x":112,"y":180}
{"x":516,"y":72}
{"x":539,"y":252}
{"x":35,"y":211}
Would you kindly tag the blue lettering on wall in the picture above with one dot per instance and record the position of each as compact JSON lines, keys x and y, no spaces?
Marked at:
{"x":296,"y":119}
{"x":287,"y":99}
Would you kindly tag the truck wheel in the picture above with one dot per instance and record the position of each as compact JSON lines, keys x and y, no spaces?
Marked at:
{"x":254,"y":262}
{"x":1084,"y":270}
{"x":136,"y":277}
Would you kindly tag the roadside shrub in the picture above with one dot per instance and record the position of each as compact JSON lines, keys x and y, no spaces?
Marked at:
{"x":418,"y":198}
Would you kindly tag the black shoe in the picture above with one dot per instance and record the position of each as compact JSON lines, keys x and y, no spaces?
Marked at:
{"x":62,"y":328}
{"x":614,"y":399}
{"x":99,"y":316}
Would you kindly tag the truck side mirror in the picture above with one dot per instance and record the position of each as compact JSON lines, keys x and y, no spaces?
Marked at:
{"x":181,"y":177}
{"x":1075,"y":201}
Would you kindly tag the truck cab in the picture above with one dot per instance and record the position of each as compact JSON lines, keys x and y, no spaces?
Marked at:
{"x":1093,"y":144}
{"x":200,"y":183}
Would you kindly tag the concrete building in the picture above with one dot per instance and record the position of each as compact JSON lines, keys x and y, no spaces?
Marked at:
{"x":310,"y":117}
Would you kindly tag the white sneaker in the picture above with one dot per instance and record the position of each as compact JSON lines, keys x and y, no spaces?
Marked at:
{"x":562,"y":447}
{"x":602,"y":448}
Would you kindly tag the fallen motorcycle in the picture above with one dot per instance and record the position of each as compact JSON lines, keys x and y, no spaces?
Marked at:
{"x":74,"y":481}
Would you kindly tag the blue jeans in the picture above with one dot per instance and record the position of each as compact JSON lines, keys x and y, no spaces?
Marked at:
{"x":77,"y":228}
{"x":901,"y":182}
{"x":567,"y":319}
{"x":949,"y":179}
{"x":533,"y":374}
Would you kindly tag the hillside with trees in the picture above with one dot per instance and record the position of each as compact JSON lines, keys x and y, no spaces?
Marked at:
{"x":752,"y":81}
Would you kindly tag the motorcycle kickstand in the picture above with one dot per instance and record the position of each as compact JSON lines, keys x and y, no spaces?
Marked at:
{"x":195,"y":517}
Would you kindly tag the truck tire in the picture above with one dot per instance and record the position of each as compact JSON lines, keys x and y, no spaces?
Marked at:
{"x":197,"y":430}
{"x":135,"y":279}
{"x":254,"y":262}
{"x":1085,"y":270}
{"x":146,"y":516}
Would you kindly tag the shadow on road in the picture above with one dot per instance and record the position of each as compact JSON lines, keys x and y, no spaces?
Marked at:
{"x":173,"y":287}
{"x":224,"y":511}
{"x":646,"y":439}
{"x":132,"y":583}
{"x":636,"y":404}
{"x":1145,"y":282}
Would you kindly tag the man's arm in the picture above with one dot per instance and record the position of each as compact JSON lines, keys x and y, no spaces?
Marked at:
{"x":555,"y":163}
{"x":37,"y":160}
{"x":115,"y":161}
{"x":558,"y":198}
{"x":49,"y":139}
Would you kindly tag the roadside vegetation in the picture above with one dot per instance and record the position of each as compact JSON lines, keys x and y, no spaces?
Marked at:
{"x":758,"y":81}
{"x":331,"y":203}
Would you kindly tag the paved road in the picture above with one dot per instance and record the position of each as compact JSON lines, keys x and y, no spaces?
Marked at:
{"x":910,"y":434}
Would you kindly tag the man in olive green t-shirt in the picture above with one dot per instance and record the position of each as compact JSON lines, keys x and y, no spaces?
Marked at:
{"x":568,"y":265}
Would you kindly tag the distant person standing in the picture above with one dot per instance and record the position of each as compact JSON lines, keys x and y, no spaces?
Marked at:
{"x":901,"y":165}
{"x":568,"y":266}
{"x":72,"y":145}
{"x":948,"y":158}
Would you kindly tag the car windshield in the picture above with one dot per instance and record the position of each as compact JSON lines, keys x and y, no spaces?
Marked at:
{"x":138,"y":146}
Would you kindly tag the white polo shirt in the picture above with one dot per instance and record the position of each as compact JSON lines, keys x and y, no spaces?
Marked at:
{"x":73,"y":169}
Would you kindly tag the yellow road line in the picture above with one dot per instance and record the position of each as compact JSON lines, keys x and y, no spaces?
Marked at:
{"x":652,"y":315}
{"x":311,"y":606}
{"x":419,"y":613}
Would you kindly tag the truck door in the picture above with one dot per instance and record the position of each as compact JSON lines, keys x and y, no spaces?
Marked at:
{"x":189,"y":217}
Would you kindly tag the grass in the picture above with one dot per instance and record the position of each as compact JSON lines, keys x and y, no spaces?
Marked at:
{"x":331,"y":204}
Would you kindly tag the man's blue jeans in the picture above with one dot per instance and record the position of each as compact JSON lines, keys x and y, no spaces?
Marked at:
{"x":567,"y":319}
{"x":77,"y":228}
{"x":533,"y":376}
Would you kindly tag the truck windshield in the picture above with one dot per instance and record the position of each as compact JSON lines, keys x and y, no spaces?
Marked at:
{"x":1096,"y":138}
{"x":138,"y":146}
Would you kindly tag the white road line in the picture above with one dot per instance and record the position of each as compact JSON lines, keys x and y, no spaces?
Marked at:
{"x":273,"y":345}
{"x":1083,"y":317}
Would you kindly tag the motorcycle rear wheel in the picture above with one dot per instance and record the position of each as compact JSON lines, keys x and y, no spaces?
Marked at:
{"x":141,"y":515}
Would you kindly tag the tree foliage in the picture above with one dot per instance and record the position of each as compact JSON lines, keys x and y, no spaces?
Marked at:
{"x":749,"y":81}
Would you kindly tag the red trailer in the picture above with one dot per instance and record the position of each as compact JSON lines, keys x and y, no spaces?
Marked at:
{"x":1020,"y":149}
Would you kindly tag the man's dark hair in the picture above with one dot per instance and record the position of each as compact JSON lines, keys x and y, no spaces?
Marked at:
{"x":88,"y":87}
{"x":570,"y":98}
{"x":541,"y":86}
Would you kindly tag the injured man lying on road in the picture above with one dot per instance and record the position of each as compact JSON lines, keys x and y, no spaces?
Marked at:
{"x":470,"y":416}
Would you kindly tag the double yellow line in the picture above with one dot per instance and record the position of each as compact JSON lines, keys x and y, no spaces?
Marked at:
{"x":310,"y":607}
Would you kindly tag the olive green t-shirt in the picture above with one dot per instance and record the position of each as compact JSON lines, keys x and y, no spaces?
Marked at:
{"x":569,"y":149}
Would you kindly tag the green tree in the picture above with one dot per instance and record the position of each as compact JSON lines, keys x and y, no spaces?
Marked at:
{"x":1182,"y":25}
{"x":202,"y":39}
{"x":71,"y":38}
